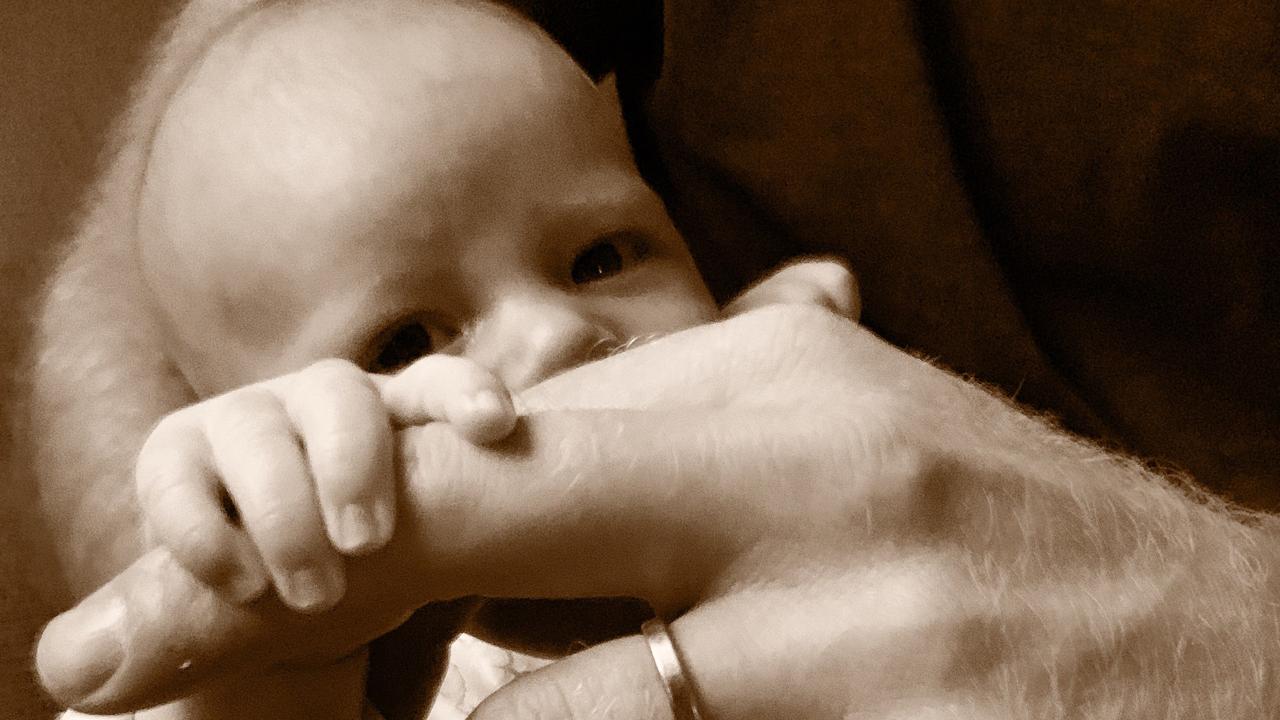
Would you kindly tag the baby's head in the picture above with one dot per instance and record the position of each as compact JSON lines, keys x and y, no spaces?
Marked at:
{"x":377,"y":180}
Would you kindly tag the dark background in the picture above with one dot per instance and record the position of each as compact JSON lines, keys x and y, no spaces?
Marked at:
{"x":1094,"y":185}
{"x":65,"y":66}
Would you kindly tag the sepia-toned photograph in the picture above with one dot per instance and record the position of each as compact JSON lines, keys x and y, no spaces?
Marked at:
{"x":639,"y":360}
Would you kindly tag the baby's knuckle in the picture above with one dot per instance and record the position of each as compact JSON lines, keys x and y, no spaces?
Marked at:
{"x":352,"y":434}
{"x":323,"y":380}
{"x":156,"y":452}
{"x":195,"y":545}
{"x":170,"y":432}
{"x":434,"y":368}
{"x":155,"y":482}
{"x":162,"y":483}
{"x":344,"y":458}
{"x":248,"y":402}
{"x":254,"y":422}
{"x":278,"y":525}
{"x":334,"y":368}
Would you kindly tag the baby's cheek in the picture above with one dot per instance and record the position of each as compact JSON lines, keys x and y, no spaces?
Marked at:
{"x":675,"y":309}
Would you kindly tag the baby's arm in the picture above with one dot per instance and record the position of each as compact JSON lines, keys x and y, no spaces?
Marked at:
{"x":269,"y":483}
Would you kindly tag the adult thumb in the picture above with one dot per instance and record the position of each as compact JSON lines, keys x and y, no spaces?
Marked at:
{"x":615,"y":680}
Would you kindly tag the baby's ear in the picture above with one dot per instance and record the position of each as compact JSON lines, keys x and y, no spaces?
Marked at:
{"x":824,"y":281}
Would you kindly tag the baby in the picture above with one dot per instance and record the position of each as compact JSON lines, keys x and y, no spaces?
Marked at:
{"x":357,"y":215}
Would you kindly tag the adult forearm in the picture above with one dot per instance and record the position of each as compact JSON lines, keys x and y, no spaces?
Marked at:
{"x":1103,"y":587}
{"x":842,"y":530}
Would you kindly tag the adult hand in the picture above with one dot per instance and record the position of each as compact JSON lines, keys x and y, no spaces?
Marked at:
{"x":841,"y":528}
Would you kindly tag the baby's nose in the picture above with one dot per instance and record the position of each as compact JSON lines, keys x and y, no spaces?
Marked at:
{"x":527,"y":341}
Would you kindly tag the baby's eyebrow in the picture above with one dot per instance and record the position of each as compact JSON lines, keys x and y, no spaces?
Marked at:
{"x":601,"y":199}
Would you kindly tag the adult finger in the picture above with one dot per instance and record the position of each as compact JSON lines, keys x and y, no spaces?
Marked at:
{"x":154,"y":633}
{"x":616,"y":680}
{"x":778,"y":353}
{"x":181,"y":501}
{"x":821,"y":282}
{"x":863,"y":635}
{"x":714,"y":659}
{"x":334,"y":691}
{"x":347,"y":439}
{"x":261,"y":464}
{"x":601,"y":503}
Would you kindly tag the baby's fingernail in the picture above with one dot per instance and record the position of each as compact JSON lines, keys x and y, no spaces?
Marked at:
{"x":81,"y":649}
{"x":489,"y":417}
{"x":312,"y":589}
{"x":384,"y":519}
{"x":242,"y":578}
{"x":487,"y":402}
{"x":246,"y":585}
{"x":357,"y":530}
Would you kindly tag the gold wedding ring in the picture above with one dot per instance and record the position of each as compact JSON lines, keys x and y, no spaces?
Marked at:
{"x":684,"y":704}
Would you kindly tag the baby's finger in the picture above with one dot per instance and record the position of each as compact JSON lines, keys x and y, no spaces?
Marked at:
{"x":182,"y":505}
{"x":260,"y":461}
{"x":347,"y":436}
{"x":454,"y":389}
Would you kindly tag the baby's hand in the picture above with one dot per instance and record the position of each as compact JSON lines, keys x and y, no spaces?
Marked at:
{"x":273,"y":481}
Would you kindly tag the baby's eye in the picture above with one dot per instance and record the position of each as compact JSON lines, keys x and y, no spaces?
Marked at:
{"x":596,"y":263}
{"x":402,"y":346}
{"x":607,"y":258}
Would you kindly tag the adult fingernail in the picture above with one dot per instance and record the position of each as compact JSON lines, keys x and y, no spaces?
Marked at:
{"x":82,"y":648}
{"x":312,"y":589}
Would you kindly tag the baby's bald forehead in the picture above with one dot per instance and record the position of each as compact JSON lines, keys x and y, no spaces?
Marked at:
{"x":300,"y":102}
{"x":301,"y":95}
